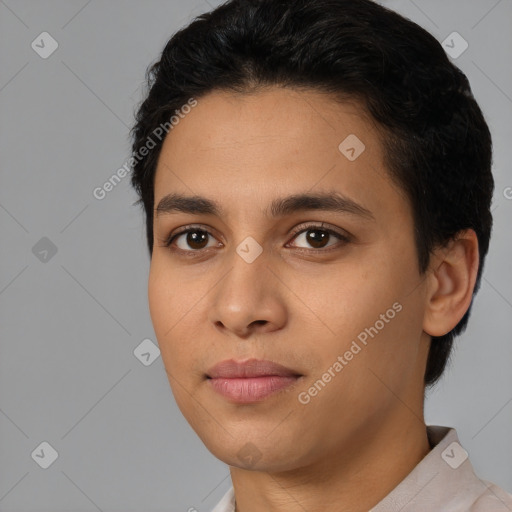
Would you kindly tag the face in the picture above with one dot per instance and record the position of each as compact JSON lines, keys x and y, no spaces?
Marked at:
{"x":326,"y":286}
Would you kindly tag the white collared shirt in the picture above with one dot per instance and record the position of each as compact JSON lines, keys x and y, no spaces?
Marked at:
{"x":444,"y":481}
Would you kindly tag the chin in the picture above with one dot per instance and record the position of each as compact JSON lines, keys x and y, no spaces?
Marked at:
{"x":253,"y":454}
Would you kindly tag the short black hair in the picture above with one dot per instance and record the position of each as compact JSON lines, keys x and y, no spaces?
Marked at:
{"x":438,"y":147}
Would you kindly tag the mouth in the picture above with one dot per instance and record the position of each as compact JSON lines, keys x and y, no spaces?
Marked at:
{"x":250,"y":381}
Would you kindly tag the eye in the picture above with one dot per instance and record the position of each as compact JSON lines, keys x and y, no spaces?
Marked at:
{"x":318,"y":237}
{"x":190,"y":240}
{"x":193,"y":240}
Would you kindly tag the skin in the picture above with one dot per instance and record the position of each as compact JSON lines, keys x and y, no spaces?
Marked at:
{"x":297,"y":304}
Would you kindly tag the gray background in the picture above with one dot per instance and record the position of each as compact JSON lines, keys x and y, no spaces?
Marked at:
{"x":69,"y":325}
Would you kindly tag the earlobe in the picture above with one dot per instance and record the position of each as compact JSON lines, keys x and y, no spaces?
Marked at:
{"x":452,"y":280}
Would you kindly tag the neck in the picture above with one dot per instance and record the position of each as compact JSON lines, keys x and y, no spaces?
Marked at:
{"x":354,"y":479}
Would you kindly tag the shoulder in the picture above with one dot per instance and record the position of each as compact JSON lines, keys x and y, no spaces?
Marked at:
{"x":492,"y":499}
{"x":227,"y":503}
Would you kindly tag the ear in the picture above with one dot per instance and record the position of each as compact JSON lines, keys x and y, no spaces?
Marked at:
{"x":452,"y":276}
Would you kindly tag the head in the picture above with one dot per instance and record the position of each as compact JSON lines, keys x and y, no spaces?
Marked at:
{"x":267,"y":96}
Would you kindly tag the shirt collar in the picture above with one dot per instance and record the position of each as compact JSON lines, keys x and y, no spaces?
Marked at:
{"x":443,"y":480}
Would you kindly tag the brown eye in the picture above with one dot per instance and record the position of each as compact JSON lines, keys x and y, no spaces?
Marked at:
{"x":191,"y":240}
{"x":197,"y":239}
{"x":317,"y":237}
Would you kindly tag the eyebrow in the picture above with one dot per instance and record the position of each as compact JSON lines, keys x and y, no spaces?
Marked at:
{"x":323,"y":201}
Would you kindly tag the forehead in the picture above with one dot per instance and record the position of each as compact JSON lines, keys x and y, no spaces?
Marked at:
{"x":244,"y":148}
{"x":277,"y":118}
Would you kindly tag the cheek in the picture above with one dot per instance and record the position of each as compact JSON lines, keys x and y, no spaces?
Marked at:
{"x":366,"y":310}
{"x":169,"y":305}
{"x":348,"y":298}
{"x":171,"y":297}
{"x":160,"y":299}
{"x":178,"y":306}
{"x":170,"y":309}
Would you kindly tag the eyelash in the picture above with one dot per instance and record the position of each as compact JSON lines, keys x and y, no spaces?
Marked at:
{"x":301,"y":229}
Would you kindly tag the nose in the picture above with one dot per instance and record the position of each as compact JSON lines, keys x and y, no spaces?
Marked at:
{"x":249,"y":299}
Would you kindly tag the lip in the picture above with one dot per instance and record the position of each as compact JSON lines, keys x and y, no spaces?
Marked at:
{"x":231,"y":369}
{"x":250,"y":381}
